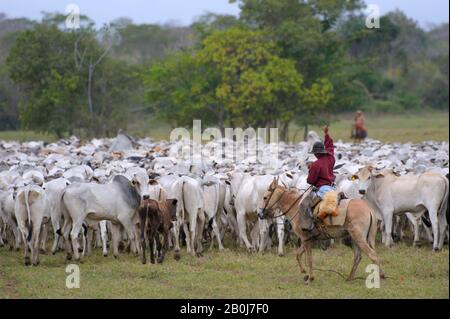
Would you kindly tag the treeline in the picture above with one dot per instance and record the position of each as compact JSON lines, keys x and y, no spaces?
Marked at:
{"x":280,"y":62}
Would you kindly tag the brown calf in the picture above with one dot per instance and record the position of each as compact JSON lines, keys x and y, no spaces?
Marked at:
{"x":156,"y":218}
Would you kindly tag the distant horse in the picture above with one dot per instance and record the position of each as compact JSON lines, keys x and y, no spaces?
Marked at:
{"x":360,"y":223}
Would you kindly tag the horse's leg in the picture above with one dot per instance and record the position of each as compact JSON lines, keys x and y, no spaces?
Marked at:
{"x":300,"y":252}
{"x":309,"y":277}
{"x":280,"y":234}
{"x":356,"y":261}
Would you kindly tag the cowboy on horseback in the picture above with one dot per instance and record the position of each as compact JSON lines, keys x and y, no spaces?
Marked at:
{"x":320,"y":176}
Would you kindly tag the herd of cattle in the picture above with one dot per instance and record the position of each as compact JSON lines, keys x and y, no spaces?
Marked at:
{"x":125,"y":191}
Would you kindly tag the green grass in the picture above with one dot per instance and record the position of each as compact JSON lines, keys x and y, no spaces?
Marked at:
{"x":402,"y":128}
{"x":412,"y":272}
{"x":26,"y":136}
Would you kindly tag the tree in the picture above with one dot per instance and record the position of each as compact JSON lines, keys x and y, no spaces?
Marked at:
{"x":42,"y":63}
{"x":305,"y":32}
{"x":236,"y":78}
{"x":55,"y":71}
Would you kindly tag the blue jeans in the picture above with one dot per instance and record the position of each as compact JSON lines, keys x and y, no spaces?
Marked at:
{"x":324,"y":189}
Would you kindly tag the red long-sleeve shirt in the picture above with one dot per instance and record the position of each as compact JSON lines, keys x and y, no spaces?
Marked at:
{"x":321,"y":171}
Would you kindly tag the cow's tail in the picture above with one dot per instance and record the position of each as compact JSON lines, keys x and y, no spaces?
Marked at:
{"x":216,"y":201}
{"x":27,"y":205}
{"x":64,"y":212}
{"x":183,"y":200}
{"x":444,"y":201}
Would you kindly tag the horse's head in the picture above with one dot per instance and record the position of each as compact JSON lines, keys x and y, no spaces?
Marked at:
{"x":271,"y":199}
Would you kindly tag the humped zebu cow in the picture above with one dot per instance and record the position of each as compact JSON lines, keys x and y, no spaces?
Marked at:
{"x":389,"y":195}
{"x":116,"y":201}
{"x":190,"y":211}
{"x":31,"y":214}
{"x":54,"y":190}
{"x":247,"y":191}
{"x":214,"y":196}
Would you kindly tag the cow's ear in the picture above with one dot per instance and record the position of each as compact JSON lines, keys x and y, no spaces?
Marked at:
{"x":153,"y":182}
{"x":379,"y":175}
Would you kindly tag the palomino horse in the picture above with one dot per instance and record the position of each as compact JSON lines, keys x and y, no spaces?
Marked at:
{"x":360,"y":223}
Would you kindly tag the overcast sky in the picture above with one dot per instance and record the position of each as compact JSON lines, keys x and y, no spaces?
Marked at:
{"x":183,"y":12}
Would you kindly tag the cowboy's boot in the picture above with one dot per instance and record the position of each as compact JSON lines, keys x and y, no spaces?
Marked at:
{"x":312,"y":231}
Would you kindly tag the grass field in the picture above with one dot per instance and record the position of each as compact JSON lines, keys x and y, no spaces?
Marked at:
{"x":412,"y":273}
{"x":386,"y":128}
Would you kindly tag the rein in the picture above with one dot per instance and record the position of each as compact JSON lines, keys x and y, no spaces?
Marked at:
{"x":293,"y":204}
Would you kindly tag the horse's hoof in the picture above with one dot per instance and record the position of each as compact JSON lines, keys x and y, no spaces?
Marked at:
{"x":199,"y":255}
{"x":27,"y":261}
{"x":177,"y":255}
{"x":68,"y":257}
{"x":306,"y":278}
{"x":436,"y":250}
{"x":105,"y":255}
{"x":280,"y":254}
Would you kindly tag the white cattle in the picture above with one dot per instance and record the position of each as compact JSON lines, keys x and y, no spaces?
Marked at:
{"x":12,"y":233}
{"x":140,"y":174}
{"x":214,"y":196}
{"x":82,"y":172}
{"x":54,"y":190}
{"x":116,"y":201}
{"x":31,"y":213}
{"x":190,"y":211}
{"x":247,"y":192}
{"x":390,"y":194}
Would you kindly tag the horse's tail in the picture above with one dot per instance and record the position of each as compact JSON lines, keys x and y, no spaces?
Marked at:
{"x":372,"y":231}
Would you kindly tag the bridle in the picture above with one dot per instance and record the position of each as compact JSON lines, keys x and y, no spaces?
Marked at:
{"x":279,"y":198}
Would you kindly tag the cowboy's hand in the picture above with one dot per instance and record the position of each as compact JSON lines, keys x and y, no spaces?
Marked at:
{"x":325,"y":130}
